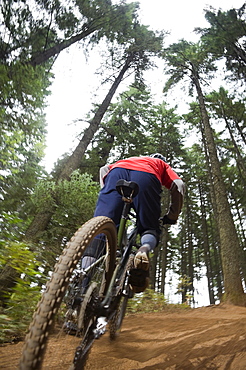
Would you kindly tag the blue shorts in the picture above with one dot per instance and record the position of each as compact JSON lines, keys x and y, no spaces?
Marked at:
{"x":147,"y":203}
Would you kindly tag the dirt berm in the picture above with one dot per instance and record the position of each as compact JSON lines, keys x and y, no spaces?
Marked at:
{"x":212,"y":337}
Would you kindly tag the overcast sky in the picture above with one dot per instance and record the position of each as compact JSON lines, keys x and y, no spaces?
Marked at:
{"x":76,"y":87}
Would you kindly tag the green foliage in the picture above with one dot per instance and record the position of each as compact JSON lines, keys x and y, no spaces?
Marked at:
{"x":164,"y":135}
{"x":21,"y":259}
{"x":127,"y":121}
{"x":28,"y":32}
{"x":133,"y":126}
{"x":43,"y":195}
{"x":77,"y":199}
{"x":184,"y":282}
{"x":71,"y":202}
{"x":226,"y":38}
{"x":74,"y":200}
{"x":12,"y":227}
{"x":53,"y":26}
{"x":116,"y":22}
{"x":186,"y":59}
{"x":22,"y":131}
{"x":19,"y":303}
{"x":150,"y":301}
{"x":16,"y":316}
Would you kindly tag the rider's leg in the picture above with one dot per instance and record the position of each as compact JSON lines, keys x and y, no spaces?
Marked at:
{"x":148,"y":208}
{"x":109,"y":201}
{"x":109,"y":204}
{"x":148,"y":201}
{"x":148,"y":238}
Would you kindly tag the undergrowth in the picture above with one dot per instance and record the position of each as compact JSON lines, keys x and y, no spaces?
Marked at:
{"x":18,"y":303}
{"x":151,"y":301}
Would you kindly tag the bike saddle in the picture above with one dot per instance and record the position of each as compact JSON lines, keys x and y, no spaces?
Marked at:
{"x":128,"y":189}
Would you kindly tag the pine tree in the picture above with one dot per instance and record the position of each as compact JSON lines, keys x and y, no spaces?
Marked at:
{"x":187,"y":59}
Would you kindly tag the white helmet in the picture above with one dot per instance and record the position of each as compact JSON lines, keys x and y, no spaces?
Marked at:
{"x":158,"y":155}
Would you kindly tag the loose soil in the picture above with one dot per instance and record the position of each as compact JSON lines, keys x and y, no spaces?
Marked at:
{"x":212,"y":337}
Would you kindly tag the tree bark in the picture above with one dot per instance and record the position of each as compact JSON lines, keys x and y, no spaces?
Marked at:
{"x":190,"y":267}
{"x":164,"y":240}
{"x":38,"y":225}
{"x":74,"y":160}
{"x":153,"y":268}
{"x":56,"y":49}
{"x":8,"y":280}
{"x":163,"y":267}
{"x":206,"y":249}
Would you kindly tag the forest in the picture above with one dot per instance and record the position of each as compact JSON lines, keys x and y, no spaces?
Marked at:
{"x":40,"y":211}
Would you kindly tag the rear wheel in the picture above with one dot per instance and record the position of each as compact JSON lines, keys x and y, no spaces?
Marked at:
{"x":58,"y":313}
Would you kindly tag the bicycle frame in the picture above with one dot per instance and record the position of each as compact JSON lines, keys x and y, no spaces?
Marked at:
{"x":107,"y":306}
{"x":120,"y":268}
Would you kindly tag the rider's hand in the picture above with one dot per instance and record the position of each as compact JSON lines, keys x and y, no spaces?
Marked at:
{"x":167,"y":221}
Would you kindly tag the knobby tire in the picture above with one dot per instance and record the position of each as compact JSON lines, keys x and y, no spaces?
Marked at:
{"x":46,"y":315}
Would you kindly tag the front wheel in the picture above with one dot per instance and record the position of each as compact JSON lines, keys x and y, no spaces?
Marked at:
{"x":48,"y":345}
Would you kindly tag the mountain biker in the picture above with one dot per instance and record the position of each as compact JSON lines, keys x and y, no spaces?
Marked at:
{"x":150,"y":172}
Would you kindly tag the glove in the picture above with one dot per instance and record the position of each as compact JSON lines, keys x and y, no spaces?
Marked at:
{"x":167,"y":221}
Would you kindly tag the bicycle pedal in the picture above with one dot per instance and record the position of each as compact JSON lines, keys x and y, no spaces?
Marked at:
{"x":125,"y":293}
{"x":101,"y":327}
{"x":118,"y":253}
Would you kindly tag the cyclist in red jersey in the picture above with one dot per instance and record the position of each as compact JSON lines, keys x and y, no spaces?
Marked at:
{"x":151,"y":173}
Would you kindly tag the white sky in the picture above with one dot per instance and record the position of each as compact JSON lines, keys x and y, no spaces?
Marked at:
{"x":76,"y":86}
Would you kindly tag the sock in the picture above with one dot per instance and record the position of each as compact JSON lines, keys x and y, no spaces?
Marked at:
{"x":149,"y":239}
{"x":87,"y":261}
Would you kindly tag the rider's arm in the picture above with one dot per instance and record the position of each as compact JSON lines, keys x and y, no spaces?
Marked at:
{"x":177,"y":194}
{"x":173,"y":182}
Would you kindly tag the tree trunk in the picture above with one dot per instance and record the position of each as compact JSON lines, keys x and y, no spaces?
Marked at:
{"x":240,"y":53}
{"x":38,"y":225}
{"x":206,"y":249}
{"x":190,"y":274}
{"x":153,"y":268}
{"x":184,"y":254}
{"x":240,"y":130}
{"x":8,"y":280}
{"x":217,"y":267}
{"x":228,"y":236}
{"x":56,"y":49}
{"x":74,"y":160}
{"x":164,"y":238}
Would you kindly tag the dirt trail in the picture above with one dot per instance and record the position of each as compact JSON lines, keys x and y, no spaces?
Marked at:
{"x":211,"y":337}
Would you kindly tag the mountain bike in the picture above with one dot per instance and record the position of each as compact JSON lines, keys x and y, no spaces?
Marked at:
{"x":72,"y":314}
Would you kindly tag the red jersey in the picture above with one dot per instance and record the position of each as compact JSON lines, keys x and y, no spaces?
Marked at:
{"x":156,"y":166}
